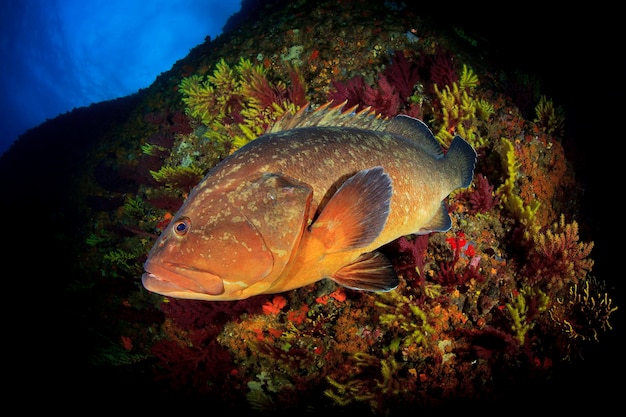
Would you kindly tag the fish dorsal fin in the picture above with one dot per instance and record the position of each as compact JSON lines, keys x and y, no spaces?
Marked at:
{"x":415,"y":130}
{"x":440,"y":222}
{"x":365,"y":119}
{"x":371,"y":271}
{"x":278,"y":207}
{"x":356,"y":214}
{"x":326,"y":115}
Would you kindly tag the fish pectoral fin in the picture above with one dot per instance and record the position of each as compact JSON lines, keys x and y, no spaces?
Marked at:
{"x":371,"y":271}
{"x":356,"y":214}
{"x":440,"y":222}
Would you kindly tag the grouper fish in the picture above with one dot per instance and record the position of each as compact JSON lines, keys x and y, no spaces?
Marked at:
{"x":313,"y":198}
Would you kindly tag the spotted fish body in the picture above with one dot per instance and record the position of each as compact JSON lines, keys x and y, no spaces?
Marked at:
{"x":313,"y":198}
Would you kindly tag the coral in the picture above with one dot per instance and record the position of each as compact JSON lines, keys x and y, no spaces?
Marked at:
{"x":461,"y":112}
{"x":489,"y":342}
{"x":274,"y":306}
{"x":409,"y":253}
{"x":372,"y":390}
{"x":122,"y":259}
{"x":441,"y":69}
{"x":179,"y":177}
{"x":524,"y":307}
{"x":238,"y":104}
{"x":383,"y":99}
{"x":481,"y":197}
{"x":405,"y":319}
{"x":447,"y":273}
{"x":350,"y":92}
{"x":549,"y":118}
{"x":584,"y":311}
{"x":192,"y":361}
{"x":539,"y":152}
{"x":506,"y":296}
{"x":402,"y":74}
{"x":557,"y":258}
{"x":190,"y":315}
{"x":524,"y":213}
{"x":392,"y":94}
{"x":468,"y":79}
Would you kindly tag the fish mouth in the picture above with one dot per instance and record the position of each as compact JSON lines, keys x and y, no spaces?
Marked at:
{"x":179,"y":281}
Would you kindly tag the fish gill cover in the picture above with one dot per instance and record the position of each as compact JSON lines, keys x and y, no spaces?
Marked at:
{"x":491,"y":311}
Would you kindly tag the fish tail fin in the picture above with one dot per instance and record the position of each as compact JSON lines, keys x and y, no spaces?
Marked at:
{"x":461,"y":158}
{"x":372,"y":271}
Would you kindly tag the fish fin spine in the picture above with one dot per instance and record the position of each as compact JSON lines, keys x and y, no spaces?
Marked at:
{"x":330,"y":114}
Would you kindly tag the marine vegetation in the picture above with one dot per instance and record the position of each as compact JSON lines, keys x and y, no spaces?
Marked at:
{"x":504,"y":299}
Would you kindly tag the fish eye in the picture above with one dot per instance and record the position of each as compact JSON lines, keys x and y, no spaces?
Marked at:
{"x":182,"y":226}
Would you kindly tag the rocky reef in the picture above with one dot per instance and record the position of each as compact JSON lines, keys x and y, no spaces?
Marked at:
{"x":506,"y":309}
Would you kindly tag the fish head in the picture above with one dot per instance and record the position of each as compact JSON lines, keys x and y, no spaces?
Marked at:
{"x":229,"y":241}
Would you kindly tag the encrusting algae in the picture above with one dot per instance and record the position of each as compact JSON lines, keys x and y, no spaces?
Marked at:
{"x":490,"y":290}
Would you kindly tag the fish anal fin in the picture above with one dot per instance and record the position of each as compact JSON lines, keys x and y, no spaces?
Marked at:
{"x":357,"y":213}
{"x":440,"y":222}
{"x":372,"y":271}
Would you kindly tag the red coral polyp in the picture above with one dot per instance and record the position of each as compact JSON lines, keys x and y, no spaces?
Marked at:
{"x":274,"y":306}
